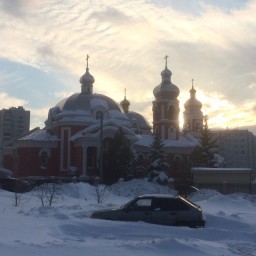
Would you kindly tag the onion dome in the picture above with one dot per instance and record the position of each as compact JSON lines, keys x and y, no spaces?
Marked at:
{"x":81,"y":108}
{"x":125,"y":103}
{"x":166,"y":73}
{"x":166,"y":89}
{"x":139,"y":124}
{"x":193,"y":104}
{"x":87,"y":80}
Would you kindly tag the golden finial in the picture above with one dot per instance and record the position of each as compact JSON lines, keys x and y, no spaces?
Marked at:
{"x":166,"y":57}
{"x":87,"y":59}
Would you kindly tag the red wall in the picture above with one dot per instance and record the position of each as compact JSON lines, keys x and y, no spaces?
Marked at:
{"x":27,"y":163}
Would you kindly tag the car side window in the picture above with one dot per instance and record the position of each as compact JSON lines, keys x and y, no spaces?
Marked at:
{"x":169,"y":204}
{"x":178,"y":205}
{"x":141,"y":204}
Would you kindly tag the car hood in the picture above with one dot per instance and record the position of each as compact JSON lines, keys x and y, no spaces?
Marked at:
{"x":104,"y":213}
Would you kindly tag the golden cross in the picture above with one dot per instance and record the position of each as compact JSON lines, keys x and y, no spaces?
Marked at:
{"x":87,"y":58}
{"x":166,"y":57}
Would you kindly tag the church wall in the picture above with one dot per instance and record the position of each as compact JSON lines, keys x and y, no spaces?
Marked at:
{"x":65,"y":149}
{"x":74,"y":129}
{"x":28,"y":163}
{"x":78,"y":159}
{"x":8,"y":162}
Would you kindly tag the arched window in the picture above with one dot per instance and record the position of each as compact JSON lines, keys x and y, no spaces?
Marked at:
{"x":99,"y":115}
{"x":44,"y":156}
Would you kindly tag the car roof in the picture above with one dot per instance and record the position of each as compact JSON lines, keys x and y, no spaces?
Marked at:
{"x":156,"y":196}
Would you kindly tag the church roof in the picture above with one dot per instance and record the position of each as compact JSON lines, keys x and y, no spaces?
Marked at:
{"x":40,"y":135}
{"x":80,"y":108}
{"x":85,"y":102}
{"x":184,"y":141}
{"x":139,"y":122}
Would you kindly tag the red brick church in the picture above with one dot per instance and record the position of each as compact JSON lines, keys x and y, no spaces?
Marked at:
{"x":79,"y":126}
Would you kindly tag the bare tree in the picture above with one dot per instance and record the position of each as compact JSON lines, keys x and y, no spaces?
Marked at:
{"x":102,"y":192}
{"x":41,"y":193}
{"x":17,"y":198}
{"x":52,"y":192}
{"x":47,"y":193}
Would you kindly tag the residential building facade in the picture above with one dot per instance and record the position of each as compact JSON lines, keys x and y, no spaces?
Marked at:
{"x":14,"y":123}
{"x":238,"y":147}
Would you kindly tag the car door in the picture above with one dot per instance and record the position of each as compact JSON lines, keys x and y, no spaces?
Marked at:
{"x":139,"y":210}
{"x":164,"y":211}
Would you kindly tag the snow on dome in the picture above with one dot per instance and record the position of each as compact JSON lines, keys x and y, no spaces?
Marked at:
{"x":95,"y":102}
{"x":139,"y":123}
{"x":80,"y":108}
{"x":85,"y":102}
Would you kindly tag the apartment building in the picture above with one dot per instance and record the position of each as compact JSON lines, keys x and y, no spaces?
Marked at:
{"x":14,"y":122}
{"x":238,"y":147}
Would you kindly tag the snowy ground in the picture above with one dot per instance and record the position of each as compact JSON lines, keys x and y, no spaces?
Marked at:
{"x":66,"y":229}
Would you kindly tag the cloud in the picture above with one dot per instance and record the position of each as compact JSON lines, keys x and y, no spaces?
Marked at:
{"x":7,"y":101}
{"x":127,"y":42}
{"x":110,"y":15}
{"x":38,"y":116}
{"x":18,"y":8}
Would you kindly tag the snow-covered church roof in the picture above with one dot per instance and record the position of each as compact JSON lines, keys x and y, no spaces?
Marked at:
{"x":86,"y":108}
{"x":184,"y":141}
{"x":39,"y":135}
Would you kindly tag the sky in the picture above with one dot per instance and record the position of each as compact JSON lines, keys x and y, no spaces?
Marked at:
{"x":44,"y":44}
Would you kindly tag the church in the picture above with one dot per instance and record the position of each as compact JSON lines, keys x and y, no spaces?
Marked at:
{"x":79,"y":127}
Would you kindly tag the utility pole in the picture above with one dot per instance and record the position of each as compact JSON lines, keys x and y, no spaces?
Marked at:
{"x":101,"y":147}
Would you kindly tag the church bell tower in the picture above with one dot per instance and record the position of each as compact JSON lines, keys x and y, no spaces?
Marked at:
{"x":166,"y":107}
{"x":193,"y":116}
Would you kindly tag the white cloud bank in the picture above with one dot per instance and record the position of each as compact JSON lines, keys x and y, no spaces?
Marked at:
{"x":208,"y":41}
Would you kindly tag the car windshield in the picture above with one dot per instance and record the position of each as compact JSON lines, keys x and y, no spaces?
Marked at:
{"x":125,"y":205}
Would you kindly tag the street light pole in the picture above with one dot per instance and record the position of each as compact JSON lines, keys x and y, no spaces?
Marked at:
{"x":101,"y":147}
